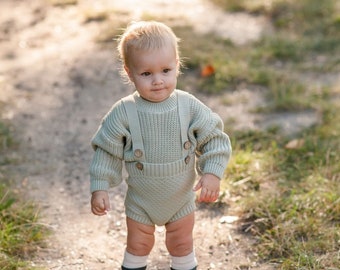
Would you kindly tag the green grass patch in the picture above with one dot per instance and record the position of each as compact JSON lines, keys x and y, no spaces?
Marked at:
{"x":20,"y":230}
{"x":291,"y":196}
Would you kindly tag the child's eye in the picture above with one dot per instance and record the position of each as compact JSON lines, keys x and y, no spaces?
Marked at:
{"x":166,"y":70}
{"x":146,"y":73}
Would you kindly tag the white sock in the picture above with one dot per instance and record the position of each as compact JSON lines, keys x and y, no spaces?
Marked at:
{"x":184,"y":263}
{"x":132,"y":261}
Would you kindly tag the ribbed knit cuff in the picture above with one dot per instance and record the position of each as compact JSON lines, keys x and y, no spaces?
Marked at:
{"x":215,"y":169}
{"x":98,"y":185}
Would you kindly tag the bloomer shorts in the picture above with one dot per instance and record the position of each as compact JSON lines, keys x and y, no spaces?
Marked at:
{"x":160,"y":199}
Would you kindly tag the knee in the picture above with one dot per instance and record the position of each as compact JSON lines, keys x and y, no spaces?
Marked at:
{"x":140,"y":238}
{"x":179,"y":246}
{"x":140,"y":244}
{"x":179,"y":239}
{"x":140,"y":247}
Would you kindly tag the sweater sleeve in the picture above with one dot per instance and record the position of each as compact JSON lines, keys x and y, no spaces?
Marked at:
{"x":108,"y":143}
{"x":213,"y":147}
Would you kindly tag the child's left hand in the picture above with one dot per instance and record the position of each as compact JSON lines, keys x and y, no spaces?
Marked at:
{"x":210,"y":188}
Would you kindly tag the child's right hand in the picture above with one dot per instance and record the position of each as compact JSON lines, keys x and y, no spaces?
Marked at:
{"x":100,"y":202}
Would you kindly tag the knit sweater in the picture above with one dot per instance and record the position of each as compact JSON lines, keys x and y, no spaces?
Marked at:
{"x":161,"y":138}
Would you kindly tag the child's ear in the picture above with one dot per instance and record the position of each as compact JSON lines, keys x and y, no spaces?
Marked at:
{"x":128,"y":72}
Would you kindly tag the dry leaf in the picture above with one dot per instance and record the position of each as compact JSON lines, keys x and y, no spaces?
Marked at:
{"x":207,"y":70}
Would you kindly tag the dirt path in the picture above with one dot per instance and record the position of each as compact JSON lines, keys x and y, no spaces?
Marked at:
{"x":59,"y":84}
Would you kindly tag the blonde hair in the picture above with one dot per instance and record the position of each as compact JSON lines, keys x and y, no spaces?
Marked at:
{"x":146,"y":35}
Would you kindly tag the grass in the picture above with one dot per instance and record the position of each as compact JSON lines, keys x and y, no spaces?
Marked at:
{"x":291,"y":197}
{"x":20,"y":230}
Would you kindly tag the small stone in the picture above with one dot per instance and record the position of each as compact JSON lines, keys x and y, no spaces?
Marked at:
{"x":228,"y":219}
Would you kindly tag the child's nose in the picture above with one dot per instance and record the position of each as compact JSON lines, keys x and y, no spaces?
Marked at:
{"x":157,"y":79}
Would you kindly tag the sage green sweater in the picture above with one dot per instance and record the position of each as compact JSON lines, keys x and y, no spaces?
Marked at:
{"x":161,"y":137}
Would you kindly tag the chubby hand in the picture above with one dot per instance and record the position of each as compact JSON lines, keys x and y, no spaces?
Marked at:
{"x":210,"y":188}
{"x":100,"y":203}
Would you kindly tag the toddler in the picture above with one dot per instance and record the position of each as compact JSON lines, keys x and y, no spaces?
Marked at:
{"x":158,"y":132}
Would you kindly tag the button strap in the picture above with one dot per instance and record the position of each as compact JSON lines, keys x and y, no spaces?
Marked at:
{"x":134,"y":125}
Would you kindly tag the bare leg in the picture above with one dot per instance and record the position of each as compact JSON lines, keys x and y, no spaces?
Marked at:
{"x":140,"y":238}
{"x":179,"y":241}
{"x":179,"y":238}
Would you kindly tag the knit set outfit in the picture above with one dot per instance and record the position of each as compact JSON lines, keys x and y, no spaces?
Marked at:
{"x":159,"y":143}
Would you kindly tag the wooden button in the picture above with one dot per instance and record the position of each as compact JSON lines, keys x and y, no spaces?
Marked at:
{"x":187,"y":160}
{"x":187,"y":145}
{"x":138,"y":153}
{"x":139,"y":166}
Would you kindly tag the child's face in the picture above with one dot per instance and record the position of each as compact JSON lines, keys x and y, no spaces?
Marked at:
{"x":154,"y":73}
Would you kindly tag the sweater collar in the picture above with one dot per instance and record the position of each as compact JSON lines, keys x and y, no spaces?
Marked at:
{"x":146,"y":106}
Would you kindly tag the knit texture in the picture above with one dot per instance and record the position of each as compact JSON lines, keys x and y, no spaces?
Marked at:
{"x":163,"y":164}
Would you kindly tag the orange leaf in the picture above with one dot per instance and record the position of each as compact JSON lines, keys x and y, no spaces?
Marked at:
{"x":207,"y":70}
